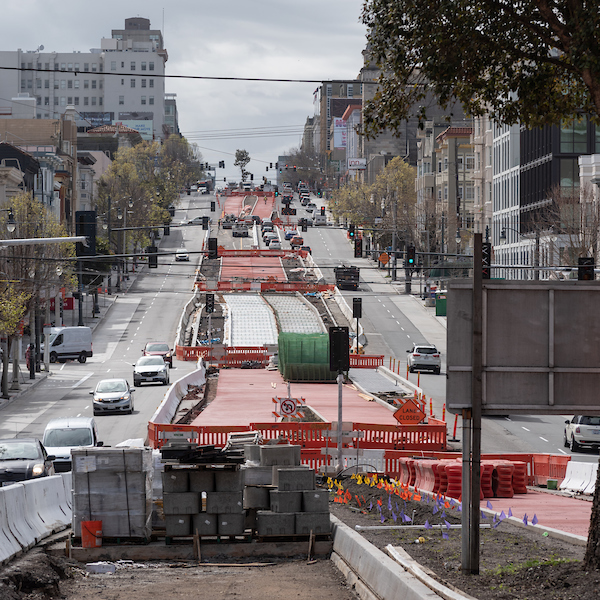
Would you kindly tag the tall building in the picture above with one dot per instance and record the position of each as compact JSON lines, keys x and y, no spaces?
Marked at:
{"x":122,"y":81}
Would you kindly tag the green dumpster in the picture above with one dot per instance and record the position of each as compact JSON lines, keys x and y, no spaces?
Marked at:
{"x":440,"y":305}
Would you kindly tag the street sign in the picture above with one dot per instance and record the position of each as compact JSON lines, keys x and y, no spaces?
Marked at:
{"x":384,"y":258}
{"x":409,"y":413}
{"x":288,"y":406}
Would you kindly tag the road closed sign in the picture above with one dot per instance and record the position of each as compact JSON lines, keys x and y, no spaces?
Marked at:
{"x":409,"y":413}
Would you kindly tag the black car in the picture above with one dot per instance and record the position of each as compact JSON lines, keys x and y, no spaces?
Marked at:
{"x":22,"y":459}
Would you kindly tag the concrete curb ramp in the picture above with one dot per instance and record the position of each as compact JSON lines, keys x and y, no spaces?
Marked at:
{"x":373,"y":574}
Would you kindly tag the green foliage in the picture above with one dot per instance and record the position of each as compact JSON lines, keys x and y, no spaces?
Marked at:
{"x":530,"y":62}
{"x":242,"y":158}
{"x":13,"y":305}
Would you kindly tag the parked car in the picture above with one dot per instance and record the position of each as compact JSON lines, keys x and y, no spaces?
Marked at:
{"x":182,"y":255}
{"x":424,"y":358}
{"x":113,"y":395}
{"x":582,"y":431}
{"x":64,"y":433}
{"x":290,"y":233}
{"x":22,"y":459}
{"x":159,"y":349}
{"x":275,"y":244}
{"x":150,"y":369}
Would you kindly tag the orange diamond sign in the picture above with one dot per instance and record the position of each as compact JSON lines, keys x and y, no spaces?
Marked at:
{"x":409,"y":413}
{"x":384,"y":258}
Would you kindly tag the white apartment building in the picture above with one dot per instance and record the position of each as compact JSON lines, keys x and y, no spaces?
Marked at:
{"x":122,"y":81}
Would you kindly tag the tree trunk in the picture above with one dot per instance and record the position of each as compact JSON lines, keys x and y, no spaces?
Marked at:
{"x":5,"y":372}
{"x":591,"y":561}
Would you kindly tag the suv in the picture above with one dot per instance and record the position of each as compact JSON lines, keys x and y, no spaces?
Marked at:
{"x":582,"y":431}
{"x":424,"y":358}
{"x":297,"y":241}
{"x":65,"y":433}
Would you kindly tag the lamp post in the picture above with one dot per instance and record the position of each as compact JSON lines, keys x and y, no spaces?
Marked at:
{"x":119,"y":250}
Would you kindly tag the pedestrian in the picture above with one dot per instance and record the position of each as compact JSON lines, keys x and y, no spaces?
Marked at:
{"x":28,"y":355}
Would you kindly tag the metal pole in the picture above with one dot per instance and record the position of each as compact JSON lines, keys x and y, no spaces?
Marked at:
{"x":466,"y":492}
{"x":80,"y":289}
{"x":340,"y":379}
{"x":536,"y":255}
{"x":109,"y":282}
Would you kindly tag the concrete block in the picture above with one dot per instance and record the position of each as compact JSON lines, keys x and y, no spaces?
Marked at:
{"x":175,"y":481}
{"x":258,"y":476}
{"x":315,"y":501}
{"x":185,"y":503}
{"x":224,"y":502}
{"x":202,"y":481}
{"x":270,"y":523}
{"x":257,"y":496}
{"x":231,"y":524}
{"x":318,"y":523}
{"x":252,"y":452}
{"x":205,"y":524}
{"x":111,"y":482}
{"x":229,"y":481}
{"x":100,"y":503}
{"x":178,"y":525}
{"x":286,"y":502}
{"x":295,"y":478}
{"x":285,"y":455}
{"x":276,"y":468}
{"x":112,"y":459}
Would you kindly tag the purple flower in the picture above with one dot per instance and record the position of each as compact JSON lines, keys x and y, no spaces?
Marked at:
{"x":389,"y":503}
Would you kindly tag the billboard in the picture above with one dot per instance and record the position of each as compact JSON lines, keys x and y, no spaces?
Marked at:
{"x":540,"y":347}
{"x":357,"y":164}
{"x":340,"y":133}
{"x":145,"y":128}
{"x":95,"y":119}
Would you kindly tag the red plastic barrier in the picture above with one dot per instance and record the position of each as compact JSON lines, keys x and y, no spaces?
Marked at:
{"x":502,"y":480}
{"x":412,"y":470}
{"x":487,"y":471}
{"x":519,"y":477}
{"x":454,"y":477}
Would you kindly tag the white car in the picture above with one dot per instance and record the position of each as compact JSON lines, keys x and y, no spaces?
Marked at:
{"x":182,"y":255}
{"x":424,"y":358}
{"x":275,"y":245}
{"x":112,"y":395}
{"x":582,"y":431}
{"x":150,"y":369}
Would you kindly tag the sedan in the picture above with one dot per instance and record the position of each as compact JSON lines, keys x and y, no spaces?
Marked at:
{"x":159,"y":349}
{"x":22,"y":459}
{"x":150,"y":369}
{"x":290,"y":233}
{"x":582,"y":431}
{"x":113,"y":395}
{"x":182,"y":255}
{"x":424,"y":358}
{"x":274,"y":244}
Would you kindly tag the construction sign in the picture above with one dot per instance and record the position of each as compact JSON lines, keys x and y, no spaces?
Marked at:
{"x":384,"y":258}
{"x":409,"y":413}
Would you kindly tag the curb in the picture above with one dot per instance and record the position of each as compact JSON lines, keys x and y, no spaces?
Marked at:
{"x":30,"y":386}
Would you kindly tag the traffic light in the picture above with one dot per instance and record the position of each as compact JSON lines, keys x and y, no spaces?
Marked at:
{"x":251,"y":176}
{"x":294,"y":167}
{"x":152,"y":258}
{"x":85,"y":224}
{"x":267,"y":169}
{"x":212,"y":206}
{"x":212,"y":248}
{"x":304,"y":225}
{"x":166,"y":230}
{"x":585,"y":271}
{"x":322,"y":211}
{"x":351,"y":231}
{"x":270,"y":165}
{"x":357,"y":308}
{"x":410,"y":256}
{"x":339,"y":349}
{"x":358,"y":248}
{"x":276,"y":193}
{"x":486,"y":260}
{"x":210,"y":303}
{"x":221,"y":164}
{"x":205,"y":223}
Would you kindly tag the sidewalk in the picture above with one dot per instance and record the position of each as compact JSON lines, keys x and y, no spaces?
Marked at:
{"x":105,"y":302}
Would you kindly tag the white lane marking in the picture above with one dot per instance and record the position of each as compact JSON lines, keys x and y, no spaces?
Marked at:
{"x":408,"y":336}
{"x":79,"y":415}
{"x":525,"y":428}
{"x":561,"y":451}
{"x":108,"y":370}
{"x":543,"y":439}
{"x":82,"y":380}
{"x":86,"y":407}
{"x":401,"y":327}
{"x":62,"y":367}
{"x":399,"y":324}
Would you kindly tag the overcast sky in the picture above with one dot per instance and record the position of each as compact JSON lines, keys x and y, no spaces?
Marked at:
{"x":281,"y":39}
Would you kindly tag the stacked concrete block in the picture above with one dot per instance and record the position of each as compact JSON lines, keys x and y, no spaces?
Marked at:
{"x":158,"y":521}
{"x":286,"y":502}
{"x":290,"y":479}
{"x":205,"y":524}
{"x":113,"y":485}
{"x":280,"y":454}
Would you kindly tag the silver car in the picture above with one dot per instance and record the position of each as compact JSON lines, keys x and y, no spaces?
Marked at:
{"x":150,"y":369}
{"x":113,"y":395}
{"x":582,"y":431}
{"x":424,"y":358}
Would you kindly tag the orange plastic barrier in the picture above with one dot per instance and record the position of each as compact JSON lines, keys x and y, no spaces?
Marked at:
{"x":487,"y":471}
{"x":265,"y":286}
{"x":519,"y":477}
{"x":365,"y":361}
{"x":454,"y":477}
{"x":502,"y":480}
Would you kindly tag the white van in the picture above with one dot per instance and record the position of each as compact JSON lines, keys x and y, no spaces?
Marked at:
{"x":70,"y":342}
{"x":65,"y":433}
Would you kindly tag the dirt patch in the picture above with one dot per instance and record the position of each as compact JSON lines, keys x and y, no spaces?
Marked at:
{"x":515,"y":562}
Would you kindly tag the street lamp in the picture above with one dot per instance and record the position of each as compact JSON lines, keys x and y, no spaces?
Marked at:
{"x":11,"y":224}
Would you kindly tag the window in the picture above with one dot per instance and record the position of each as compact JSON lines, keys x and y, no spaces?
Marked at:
{"x":122,"y":64}
{"x":113,"y":65}
{"x":132,"y":83}
{"x":94,"y":67}
{"x":63,"y":84}
{"x":143,"y":65}
{"x":122,"y":81}
{"x":151,"y":66}
{"x":151,"y":83}
{"x":69,"y":66}
{"x":47,"y":66}
{"x":569,"y":173}
{"x":76,"y":84}
{"x":38,"y":84}
{"x":573,"y":136}
{"x":63,"y":66}
{"x":46,"y":101}
{"x":76,"y":103}
{"x":63,"y":101}
{"x":86,"y":84}
{"x":100,"y":101}
{"x":100,"y":84}
{"x":55,"y":100}
{"x":143,"y":99}
{"x":70,"y":84}
{"x":86,"y":67}
{"x":70,"y":100}
{"x":30,"y":84}
{"x":93,"y":84}
{"x":86,"y":100}
{"x":470,"y":163}
{"x":151,"y":100}
{"x":56,"y":84}
{"x":121,"y":99}
{"x":133,"y":65}
{"x":38,"y":101}
{"x":93,"y":100}
{"x":143,"y":83}
{"x":439,"y":166}
{"x":76,"y":67}
{"x":46,"y":84}
{"x":56,"y":66}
